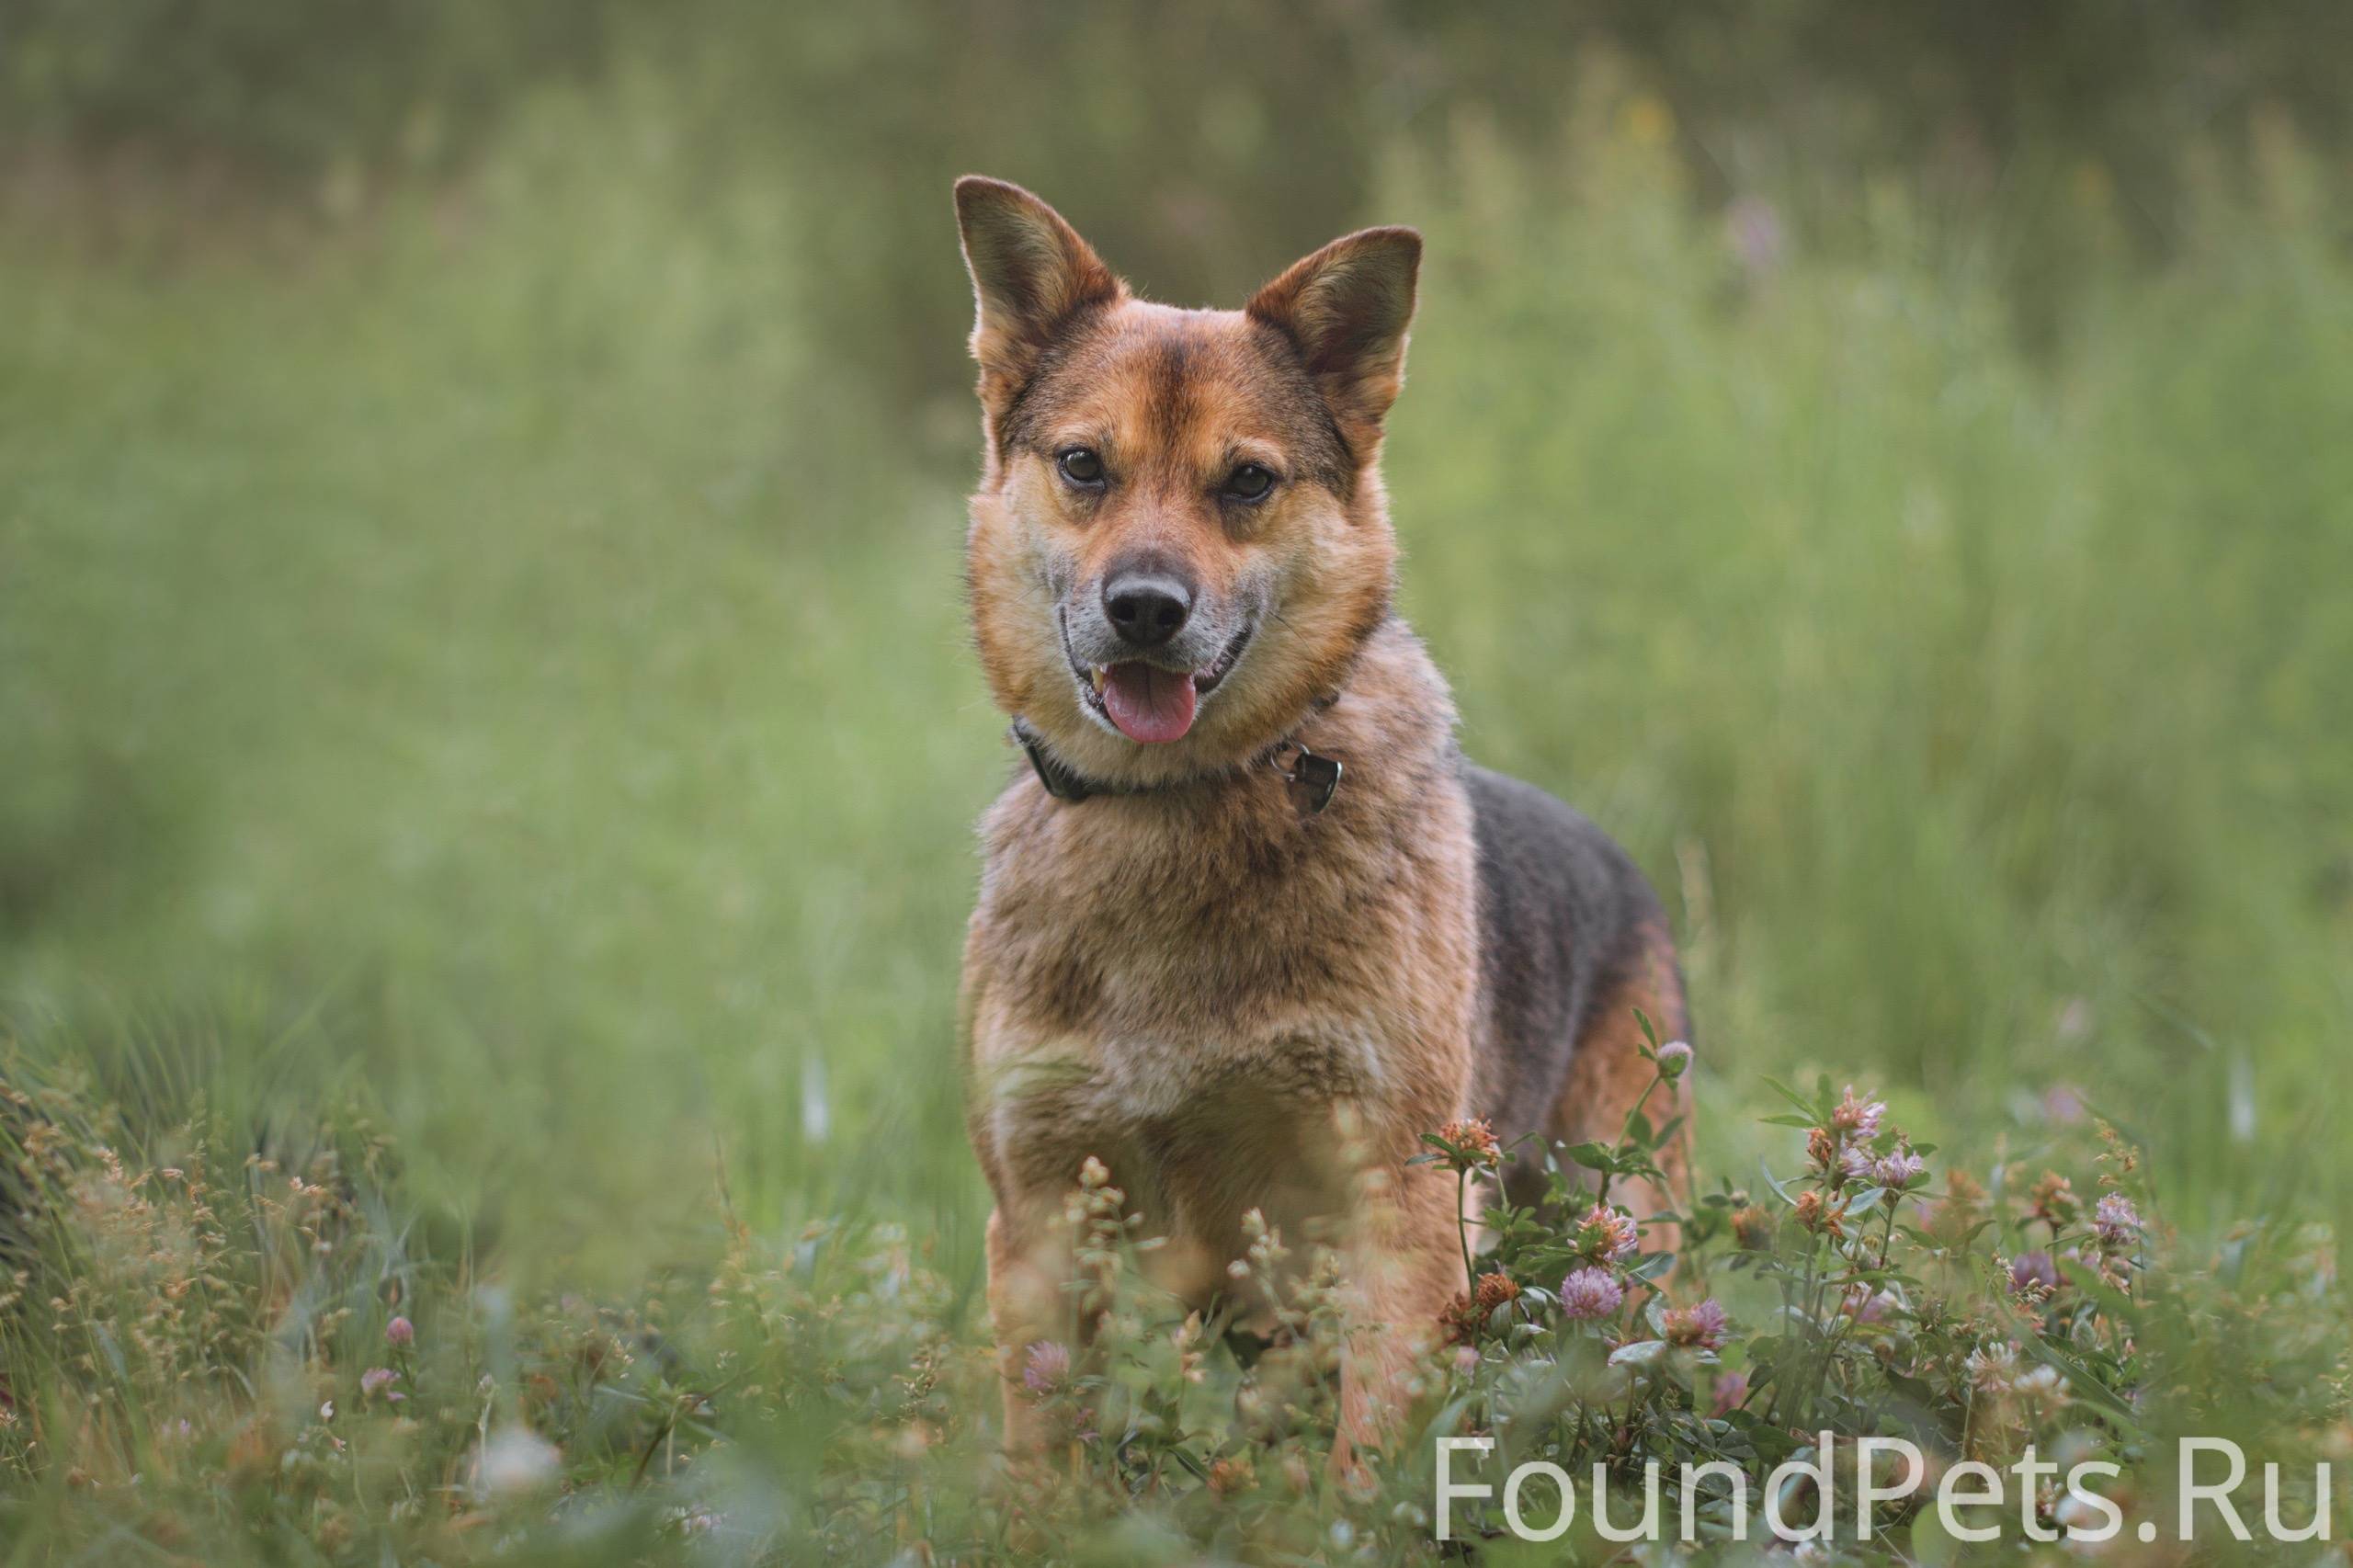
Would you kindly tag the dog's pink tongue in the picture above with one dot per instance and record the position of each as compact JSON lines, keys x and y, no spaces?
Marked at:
{"x":1148,"y":703}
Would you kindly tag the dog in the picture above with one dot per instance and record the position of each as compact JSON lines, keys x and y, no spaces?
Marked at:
{"x":1249,"y":924}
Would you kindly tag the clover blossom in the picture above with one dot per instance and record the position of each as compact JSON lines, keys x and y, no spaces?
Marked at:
{"x":1856,"y":1118}
{"x":1047,"y":1369}
{"x":1588,"y":1293}
{"x":2115,"y":1220}
{"x":1699,"y":1327}
{"x":1606,"y":1235}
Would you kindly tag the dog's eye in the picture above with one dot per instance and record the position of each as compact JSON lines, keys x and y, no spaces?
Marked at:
{"x":1080,"y":465}
{"x":1249,"y":482}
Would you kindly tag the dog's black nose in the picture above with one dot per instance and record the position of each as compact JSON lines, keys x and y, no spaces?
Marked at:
{"x":1147,"y":607}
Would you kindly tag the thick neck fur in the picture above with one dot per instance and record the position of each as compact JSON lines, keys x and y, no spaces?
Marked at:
{"x":1250,"y":900}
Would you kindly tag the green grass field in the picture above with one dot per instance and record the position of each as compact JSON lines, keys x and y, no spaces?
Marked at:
{"x":490,"y":672}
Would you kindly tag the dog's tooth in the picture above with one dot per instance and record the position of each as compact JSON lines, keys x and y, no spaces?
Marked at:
{"x":1100,"y":673}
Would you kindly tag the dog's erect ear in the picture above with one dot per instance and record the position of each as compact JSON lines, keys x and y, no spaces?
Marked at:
{"x":1347,"y":307}
{"x":1030,"y":271}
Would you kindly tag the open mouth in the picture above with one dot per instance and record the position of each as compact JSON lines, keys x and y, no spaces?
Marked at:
{"x":1146,"y":702}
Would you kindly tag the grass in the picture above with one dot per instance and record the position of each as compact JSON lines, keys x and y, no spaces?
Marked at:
{"x":485,"y":688}
{"x":255,"y":1353}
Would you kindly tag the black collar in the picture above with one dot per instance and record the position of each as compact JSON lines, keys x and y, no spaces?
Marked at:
{"x":1313,"y":778}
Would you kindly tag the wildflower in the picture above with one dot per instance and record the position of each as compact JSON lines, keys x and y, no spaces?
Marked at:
{"x":1822,"y":1150}
{"x":2035,"y":1272}
{"x":377,"y":1380}
{"x":1047,"y":1369}
{"x":1495,"y":1290}
{"x":2115,"y":1220}
{"x":1589,"y":1293}
{"x":1858,"y":1119}
{"x":1699,"y":1327}
{"x":1732,"y":1389}
{"x":1900,"y":1169}
{"x":1955,"y":1214}
{"x":1866,"y":1305}
{"x":1470,"y":1145}
{"x":1991,"y":1367}
{"x":2077,"y":1515}
{"x":1758,"y":236}
{"x":1466,"y":1360}
{"x":1606,"y":1235}
{"x":1819,"y":1216}
{"x":1469,"y":1315}
{"x":2054,"y":1198}
{"x":2043,"y":1387}
{"x":400,"y":1330}
{"x":2076,"y":1020}
{"x":1187,"y":1338}
{"x":1234,"y":1474}
{"x":1856,"y":1165}
{"x":1673,"y":1058}
{"x":1752,"y":1228}
{"x":514,"y":1460}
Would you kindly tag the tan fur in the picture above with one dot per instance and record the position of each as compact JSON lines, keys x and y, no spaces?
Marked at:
{"x":1330,"y":558}
{"x":1202,"y":989}
{"x":1608,"y":1074}
{"x":1231,"y":1003}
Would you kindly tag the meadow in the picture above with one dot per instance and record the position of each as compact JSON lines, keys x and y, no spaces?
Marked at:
{"x":490,"y":739}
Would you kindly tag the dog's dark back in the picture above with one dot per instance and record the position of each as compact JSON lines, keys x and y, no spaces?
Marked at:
{"x":1565,"y":921}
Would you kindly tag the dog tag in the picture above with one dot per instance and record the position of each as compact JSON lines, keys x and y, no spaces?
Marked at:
{"x":1316,"y":778}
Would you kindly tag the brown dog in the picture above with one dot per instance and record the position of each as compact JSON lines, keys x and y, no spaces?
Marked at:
{"x":1250,"y":926}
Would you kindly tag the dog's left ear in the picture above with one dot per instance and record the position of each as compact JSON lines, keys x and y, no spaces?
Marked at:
{"x":1347,"y":308}
{"x":1031,"y":274}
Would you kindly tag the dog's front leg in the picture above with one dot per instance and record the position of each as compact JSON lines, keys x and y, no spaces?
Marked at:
{"x":1028,"y":1263}
{"x":1405,"y":1268}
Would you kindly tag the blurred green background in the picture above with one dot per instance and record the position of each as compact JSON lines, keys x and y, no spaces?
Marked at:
{"x":480,"y":509}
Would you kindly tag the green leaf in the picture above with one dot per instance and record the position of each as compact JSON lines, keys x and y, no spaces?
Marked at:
{"x":1642,"y":1353}
{"x":2082,"y":1383}
{"x":1932,"y":1545}
{"x":2089,"y":1281}
{"x":1815,"y":1114}
{"x":1914,"y":1389}
{"x":1772,"y":1443}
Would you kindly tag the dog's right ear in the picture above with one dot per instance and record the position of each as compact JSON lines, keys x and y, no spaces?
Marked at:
{"x":1030,"y":273}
